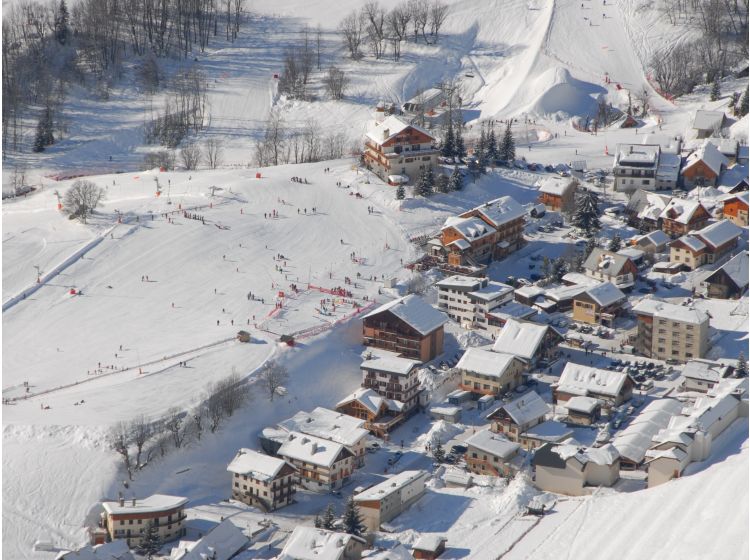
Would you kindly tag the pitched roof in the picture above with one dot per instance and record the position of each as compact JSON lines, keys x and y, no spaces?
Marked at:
{"x":705,"y":370}
{"x":709,"y":154}
{"x":656,"y":238}
{"x":460,"y":281}
{"x":636,"y":439}
{"x":719,"y":233}
{"x":520,"y":338}
{"x":310,"y":543}
{"x":551,"y":430}
{"x":492,"y":291}
{"x":733,"y":177}
{"x":526,"y":408}
{"x":327,"y":424}
{"x":680,"y":210}
{"x":391,"y":485}
{"x":429,"y":543}
{"x":372,"y":401}
{"x":115,"y":550}
{"x":587,"y":405}
{"x":311,"y":449}
{"x":471,"y":228}
{"x":222,"y":543}
{"x":485,"y":362}
{"x":256,"y":465}
{"x":501,"y":210}
{"x":606,"y":294}
{"x":737,"y":270}
{"x":637,"y":154}
{"x":577,"y":379}
{"x":414,"y":311}
{"x":556,"y":186}
{"x":389,"y":363}
{"x":605,"y":262}
{"x":708,"y":120}
{"x":691,"y":242}
{"x":490,"y":442}
{"x":394,"y":126}
{"x":605,"y":455}
{"x":664,"y":310}
{"x":513,"y":310}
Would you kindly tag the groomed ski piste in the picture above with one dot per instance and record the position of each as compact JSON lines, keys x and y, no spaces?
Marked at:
{"x":160,"y":280}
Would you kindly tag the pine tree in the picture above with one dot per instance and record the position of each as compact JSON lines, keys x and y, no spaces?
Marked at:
{"x":743,"y":108}
{"x":586,"y":215}
{"x":400,"y":192}
{"x":559,"y":269}
{"x":615,"y":244}
{"x":481,"y":147}
{"x":546,"y":269}
{"x":577,"y":264}
{"x":438,"y":453}
{"x":508,"y":145}
{"x":590,"y":246}
{"x":492,"y":146}
{"x":424,"y":185}
{"x":448,"y":148}
{"x":151,"y":542}
{"x":741,"y":365}
{"x":715,"y":90}
{"x":352,"y":519}
{"x":329,"y":518}
{"x":441,"y":184}
{"x":460,"y":149}
{"x":456,"y":182}
{"x":317,"y":523}
{"x":44,"y":136}
{"x":62,"y":31}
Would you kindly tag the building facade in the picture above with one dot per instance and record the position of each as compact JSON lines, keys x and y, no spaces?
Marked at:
{"x":393,"y":378}
{"x":129,"y":519}
{"x":261,"y":480}
{"x":382,"y":502}
{"x":468,"y":300}
{"x":670,"y":332}
{"x":396,"y":148}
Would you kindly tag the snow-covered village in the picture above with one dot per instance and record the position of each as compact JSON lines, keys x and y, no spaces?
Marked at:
{"x":375,"y":280}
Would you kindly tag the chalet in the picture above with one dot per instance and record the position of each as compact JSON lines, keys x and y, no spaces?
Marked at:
{"x":331,"y":425}
{"x":114,"y":550}
{"x":311,"y":543}
{"x":609,"y":266}
{"x":583,"y":411}
{"x":485,"y":233}
{"x":385,"y":501}
{"x":681,"y":216}
{"x":728,"y":147}
{"x":704,"y":166}
{"x":467,"y":299}
{"x":392,"y":377}
{"x":703,"y":375}
{"x":706,"y":246}
{"x":424,"y":102}
{"x":731,"y":280}
{"x":733,"y":180}
{"x":611,"y":387}
{"x":223,"y":542}
{"x":408,"y":326}
{"x":261,"y":480}
{"x":635,"y":167}
{"x":531,"y":342}
{"x":634,"y":441}
{"x":550,"y":431}
{"x":668,"y":331}
{"x":490,"y":454}
{"x":496,"y":319}
{"x":707,"y":123}
{"x":557,"y":193}
{"x":322,"y":465}
{"x":569,"y":468}
{"x":644,"y":210}
{"x":484,"y":372}
{"x":381,"y":415}
{"x":599,"y":304}
{"x":516,"y":417}
{"x":428,"y":547}
{"x":395,"y":149}
{"x":654,"y":242}
{"x":735,"y":209}
{"x":128,"y":519}
{"x":528,"y":295}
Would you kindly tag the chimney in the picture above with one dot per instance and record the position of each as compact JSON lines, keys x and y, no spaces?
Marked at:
{"x":122,"y":501}
{"x":386,"y":133}
{"x":631,"y":149}
{"x":314,"y":448}
{"x":133,"y":501}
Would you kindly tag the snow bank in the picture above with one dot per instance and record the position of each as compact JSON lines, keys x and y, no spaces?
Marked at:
{"x":441,"y":431}
{"x":560,"y":96}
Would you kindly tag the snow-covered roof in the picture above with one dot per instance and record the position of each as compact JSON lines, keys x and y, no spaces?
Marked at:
{"x":152,"y":504}
{"x":557,"y":186}
{"x":665,"y":310}
{"x":632,"y":253}
{"x":708,"y":120}
{"x":669,"y":167}
{"x":530,"y":291}
{"x":606,"y":294}
{"x":429,"y":542}
{"x":372,"y":401}
{"x":605,"y":455}
{"x":512,"y":310}
{"x":680,"y":210}
{"x":526,"y":408}
{"x":222,"y":543}
{"x":605,"y":262}
{"x":732,"y":177}
{"x":577,"y":379}
{"x":461,"y":282}
{"x":737,"y":269}
{"x":115,"y":550}
{"x":727,"y":146}
{"x":669,"y":145}
{"x":719,"y":233}
{"x":579,"y":279}
{"x":520,"y":338}
{"x":656,"y":239}
{"x":391,"y":485}
{"x":310,"y":543}
{"x":470,"y":228}
{"x":390,"y":363}
{"x":492,"y":443}
{"x":414,"y":311}
{"x":709,"y":410}
{"x":327,"y":424}
{"x":705,"y":370}
{"x":398,"y":552}
{"x":256,"y":465}
{"x":485,"y":362}
{"x":311,"y":449}
{"x":492,"y":291}
{"x":390,"y":127}
{"x":709,"y":154}
{"x":551,"y":431}
{"x":584,"y":405}
{"x":637,"y":155}
{"x":462,"y":244}
{"x":691,"y":242}
{"x":398,"y":179}
{"x":672,"y":453}
{"x":501,"y":211}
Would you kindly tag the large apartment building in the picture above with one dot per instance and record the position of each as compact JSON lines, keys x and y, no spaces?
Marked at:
{"x":322,"y":465}
{"x":635,"y":167}
{"x":382,"y":502}
{"x":396,"y":150}
{"x":467,"y":300}
{"x":667,"y":331}
{"x":128,"y":519}
{"x":261,"y":480}
{"x":392,"y":377}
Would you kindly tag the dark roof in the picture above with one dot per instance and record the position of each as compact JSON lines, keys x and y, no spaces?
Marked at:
{"x":545,"y":457}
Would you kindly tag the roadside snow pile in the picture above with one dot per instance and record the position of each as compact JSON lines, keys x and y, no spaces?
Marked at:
{"x":471,"y":339}
{"x":517,"y":495}
{"x":562,"y":96}
{"x":441,"y":431}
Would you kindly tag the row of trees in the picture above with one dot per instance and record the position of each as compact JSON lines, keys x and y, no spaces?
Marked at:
{"x":281,"y":144}
{"x":375,"y":26}
{"x":427,"y":183}
{"x":351,"y":521}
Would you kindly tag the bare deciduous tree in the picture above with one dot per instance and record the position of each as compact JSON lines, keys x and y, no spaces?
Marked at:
{"x":352,"y":27}
{"x":176,"y":426}
{"x":141,"y":431}
{"x":397,"y":23}
{"x":273,"y":376}
{"x":119,"y":441}
{"x":82,"y":198}
{"x":162,"y":159}
{"x":438,"y":13}
{"x":214,"y":153}
{"x":336,"y":82}
{"x":376,"y":17}
{"x":190,"y":155}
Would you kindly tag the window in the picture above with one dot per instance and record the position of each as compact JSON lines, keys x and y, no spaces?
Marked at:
{"x":130,"y":521}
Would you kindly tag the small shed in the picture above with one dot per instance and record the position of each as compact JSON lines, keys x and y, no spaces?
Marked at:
{"x":428,"y":547}
{"x":448,"y":413}
{"x":459,"y":396}
{"x":243,"y":336}
{"x":485,"y":402}
{"x":287,"y":339}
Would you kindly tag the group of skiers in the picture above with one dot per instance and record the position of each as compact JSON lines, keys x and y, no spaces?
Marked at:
{"x":300,"y":180}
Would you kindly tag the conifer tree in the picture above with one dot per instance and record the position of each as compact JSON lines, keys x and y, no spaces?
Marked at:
{"x":491,"y":146}
{"x":448,"y":148}
{"x":151,"y":542}
{"x":615,"y":244}
{"x":423,"y":185}
{"x":456,"y":181}
{"x":715,"y":90}
{"x":352,"y":519}
{"x":460,"y":149}
{"x":329,"y":518}
{"x":44,"y":136}
{"x":400,"y":192}
{"x":508,"y":145}
{"x":741,"y":365}
{"x":438,"y":453}
{"x":743,"y":108}
{"x":590,"y":246}
{"x":62,"y":31}
{"x":441,"y":183}
{"x":586,"y":215}
{"x":481,"y":147}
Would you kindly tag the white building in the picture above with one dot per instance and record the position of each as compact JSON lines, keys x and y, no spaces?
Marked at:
{"x":486,"y":372}
{"x":531,"y":342}
{"x":703,"y":375}
{"x":322,"y":465}
{"x":261,"y":480}
{"x":490,"y":454}
{"x":612,"y":387}
{"x":467,"y":300}
{"x":128,"y":519}
{"x":309,"y":543}
{"x":569,"y":468}
{"x":382,"y":502}
{"x":635,"y":167}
